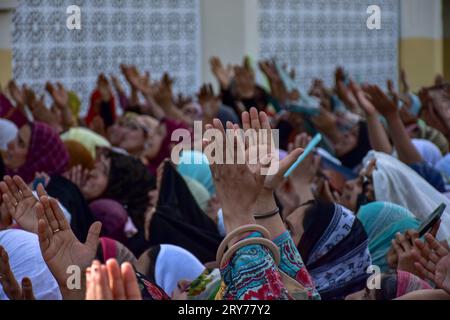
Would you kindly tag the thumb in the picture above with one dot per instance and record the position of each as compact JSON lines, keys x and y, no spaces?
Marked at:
{"x":93,"y":235}
{"x":287,"y":162}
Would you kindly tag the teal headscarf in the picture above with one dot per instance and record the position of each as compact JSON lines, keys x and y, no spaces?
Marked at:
{"x":195,"y":165}
{"x":382,"y":221}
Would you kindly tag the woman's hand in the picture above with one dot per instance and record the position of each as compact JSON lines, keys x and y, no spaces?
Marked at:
{"x":111,"y":282}
{"x":11,"y":287}
{"x":20,"y":201}
{"x":222,"y":74}
{"x":404,"y":247}
{"x":59,"y":246}
{"x":363,"y":100}
{"x":78,"y":176}
{"x":385,"y":106}
{"x":210,"y":103}
{"x":433,"y":261}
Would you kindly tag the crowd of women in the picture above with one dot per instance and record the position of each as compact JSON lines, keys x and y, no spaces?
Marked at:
{"x":92,"y":207}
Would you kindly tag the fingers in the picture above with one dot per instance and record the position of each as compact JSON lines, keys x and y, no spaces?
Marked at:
{"x":423,"y":271}
{"x":90,"y":294}
{"x":22,"y":187}
{"x":13,"y":188}
{"x":101,"y":282}
{"x":49,"y":214}
{"x":132,"y":291}
{"x":115,"y":280}
{"x":254,"y":119}
{"x":7,"y":278}
{"x":93,"y":235}
{"x":27,"y":289}
{"x":63,"y":224}
{"x":41,"y":191}
{"x":437,"y":247}
{"x":44,"y":231}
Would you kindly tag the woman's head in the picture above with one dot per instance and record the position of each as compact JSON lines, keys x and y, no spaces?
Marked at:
{"x":113,"y":217}
{"x":124,"y":179}
{"x":97,"y":180}
{"x":134,"y":132}
{"x":333,"y":245}
{"x":382,"y":221}
{"x":359,"y":191}
{"x":16,"y":154}
{"x":37,"y":148}
{"x":162,"y":263}
{"x":393,"y":285}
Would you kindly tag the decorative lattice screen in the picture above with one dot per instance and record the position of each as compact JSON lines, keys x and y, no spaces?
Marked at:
{"x":316,"y":35}
{"x":156,"y":35}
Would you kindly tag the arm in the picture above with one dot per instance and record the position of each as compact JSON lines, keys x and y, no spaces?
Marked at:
{"x":407,"y":153}
{"x":377,"y":134}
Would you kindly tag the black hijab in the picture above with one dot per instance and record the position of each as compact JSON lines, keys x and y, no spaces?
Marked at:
{"x":179,"y":221}
{"x":129,"y":184}
{"x":353,"y":158}
{"x":334,"y":247}
{"x":73,"y":200}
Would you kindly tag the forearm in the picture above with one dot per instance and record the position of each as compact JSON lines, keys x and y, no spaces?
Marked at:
{"x":303,"y":190}
{"x":430,"y":294}
{"x":407,"y":152}
{"x":266,"y":203}
{"x":377,"y":135}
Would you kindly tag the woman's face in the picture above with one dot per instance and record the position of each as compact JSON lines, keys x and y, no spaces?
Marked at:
{"x":115,"y":134}
{"x":133,"y":139}
{"x":16,"y":155}
{"x":354,"y":188}
{"x":192,"y":112}
{"x":294,"y":223}
{"x":97,"y":181}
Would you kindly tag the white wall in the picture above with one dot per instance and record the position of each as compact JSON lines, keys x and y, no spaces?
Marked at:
{"x":229,"y":31}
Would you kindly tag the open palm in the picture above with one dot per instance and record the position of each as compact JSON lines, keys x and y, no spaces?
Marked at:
{"x":442,"y":273}
{"x":20,"y":202}
{"x":60,"y":248}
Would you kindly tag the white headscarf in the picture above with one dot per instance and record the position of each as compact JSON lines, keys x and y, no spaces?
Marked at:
{"x":428,"y":150}
{"x":26,"y":260}
{"x":395,"y":182}
{"x":174,"y":264}
{"x":8,"y":132}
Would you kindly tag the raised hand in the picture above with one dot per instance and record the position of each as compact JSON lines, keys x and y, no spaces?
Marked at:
{"x":245,"y":80}
{"x":59,"y":246}
{"x":59,"y":95}
{"x":11,"y":287}
{"x":363,"y":99}
{"x":386,"y":106}
{"x":343,"y":91}
{"x":111,"y":282}
{"x":209,"y":102}
{"x":433,"y":261}
{"x":223,"y":75}
{"x":20,"y":202}
{"x":78,"y":176}
{"x":404,"y":247}
{"x":16,"y":93}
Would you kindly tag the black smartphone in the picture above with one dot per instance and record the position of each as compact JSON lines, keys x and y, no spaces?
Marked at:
{"x":434,"y":217}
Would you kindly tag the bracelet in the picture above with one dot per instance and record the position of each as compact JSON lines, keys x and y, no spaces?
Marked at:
{"x":270,"y":214}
